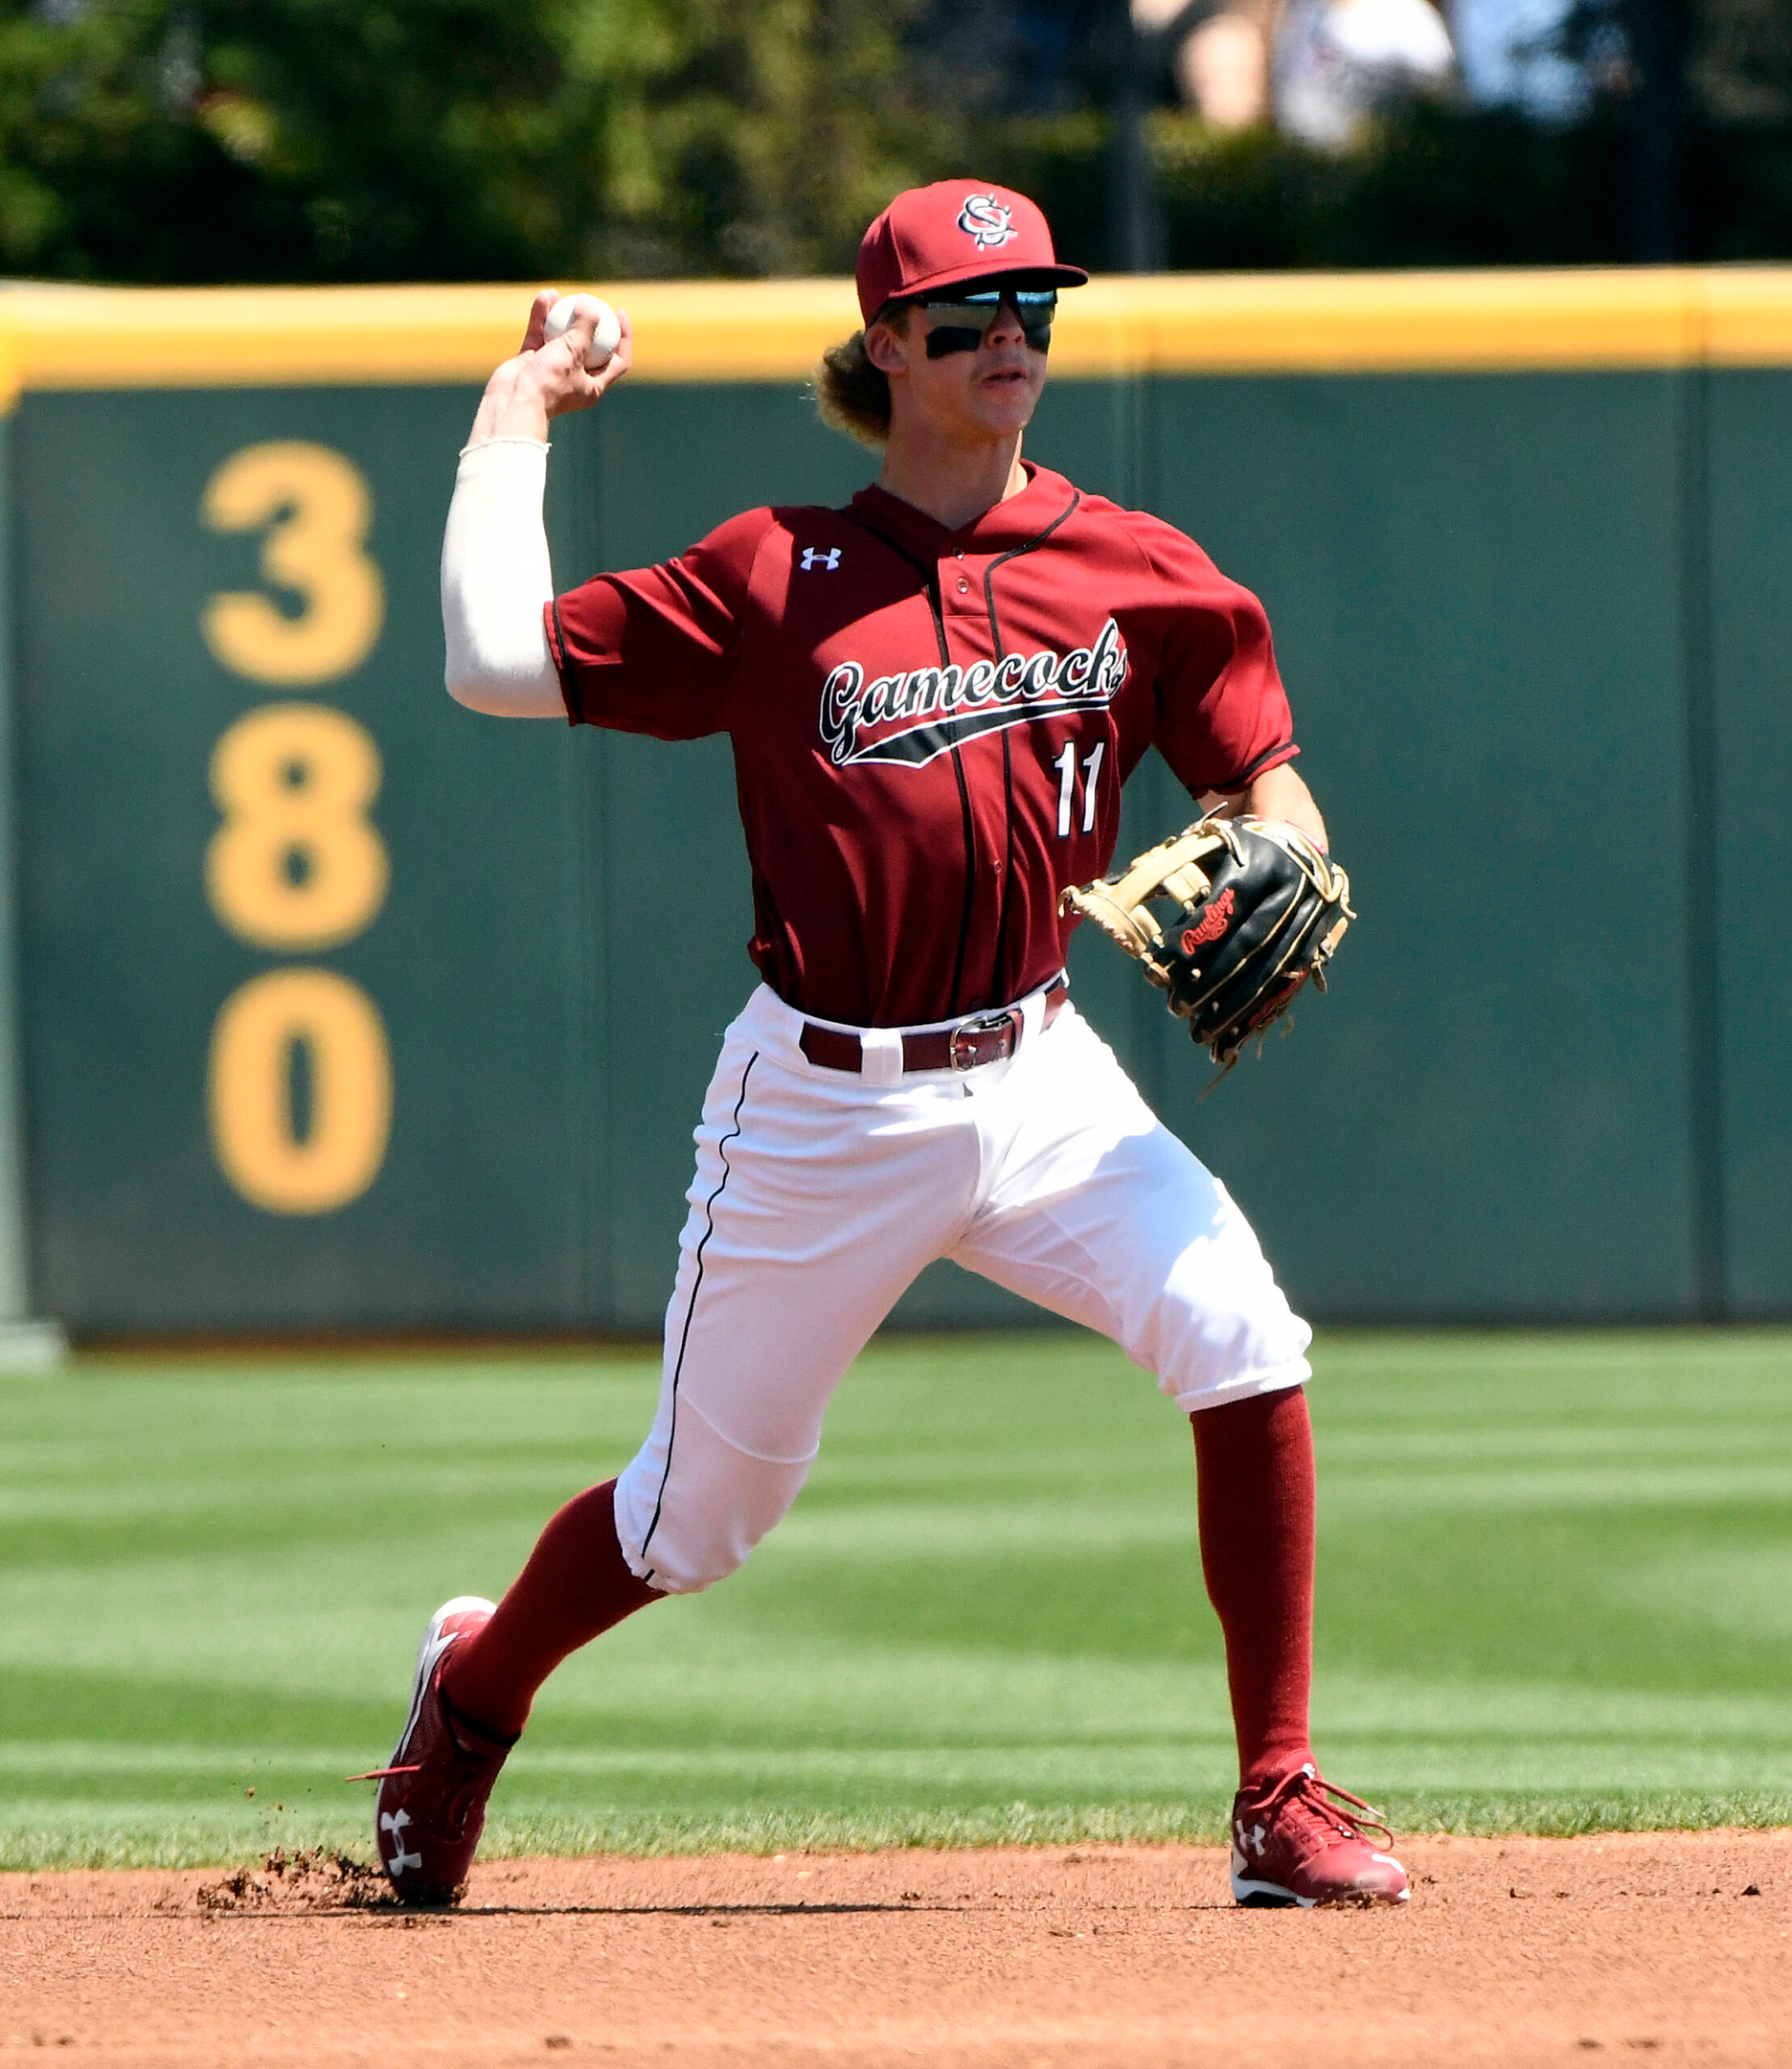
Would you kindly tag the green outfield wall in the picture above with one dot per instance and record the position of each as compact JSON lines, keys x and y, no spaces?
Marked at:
{"x":341,"y":1008}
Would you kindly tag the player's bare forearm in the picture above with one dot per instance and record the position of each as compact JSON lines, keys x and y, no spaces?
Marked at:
{"x":547,"y":378}
{"x":1277,"y":793}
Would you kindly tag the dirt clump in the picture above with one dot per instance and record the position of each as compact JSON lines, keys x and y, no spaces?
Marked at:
{"x":310,"y":1879}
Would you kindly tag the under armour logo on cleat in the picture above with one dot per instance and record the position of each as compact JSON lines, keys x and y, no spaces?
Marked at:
{"x":395,"y":1822}
{"x":819,"y":556}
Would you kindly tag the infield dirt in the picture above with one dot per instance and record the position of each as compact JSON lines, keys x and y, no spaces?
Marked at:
{"x":1668,"y":1946}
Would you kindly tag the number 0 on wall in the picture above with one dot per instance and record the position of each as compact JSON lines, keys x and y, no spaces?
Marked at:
{"x":277,"y":1031}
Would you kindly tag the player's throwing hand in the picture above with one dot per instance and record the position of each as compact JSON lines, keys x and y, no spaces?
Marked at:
{"x":548,"y":379}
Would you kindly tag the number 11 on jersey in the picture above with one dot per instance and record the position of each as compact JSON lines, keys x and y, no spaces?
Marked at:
{"x":1067,"y":785}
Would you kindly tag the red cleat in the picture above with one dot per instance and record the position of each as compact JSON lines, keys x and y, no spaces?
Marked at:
{"x":431,"y":1806}
{"x":1301,"y":1841}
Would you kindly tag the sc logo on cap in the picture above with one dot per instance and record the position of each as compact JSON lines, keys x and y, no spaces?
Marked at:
{"x":984,"y":220}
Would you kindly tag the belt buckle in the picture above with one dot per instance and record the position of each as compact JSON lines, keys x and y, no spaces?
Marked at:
{"x":972,"y":1032}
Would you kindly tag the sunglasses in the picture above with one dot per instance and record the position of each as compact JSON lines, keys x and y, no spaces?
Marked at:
{"x":961,"y":323}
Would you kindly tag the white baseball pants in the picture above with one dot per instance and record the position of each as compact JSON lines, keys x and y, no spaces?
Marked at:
{"x":819,"y":1196}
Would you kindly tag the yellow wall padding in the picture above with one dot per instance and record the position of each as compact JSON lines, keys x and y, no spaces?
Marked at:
{"x":55,"y":337}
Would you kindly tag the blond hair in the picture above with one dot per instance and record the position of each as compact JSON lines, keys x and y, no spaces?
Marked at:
{"x":851,"y":395}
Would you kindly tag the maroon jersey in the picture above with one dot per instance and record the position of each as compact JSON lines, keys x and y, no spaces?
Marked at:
{"x":930,"y":727}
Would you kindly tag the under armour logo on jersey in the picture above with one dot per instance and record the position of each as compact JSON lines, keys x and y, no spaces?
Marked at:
{"x":819,"y":556}
{"x":395,"y":1822}
{"x":985,"y":221}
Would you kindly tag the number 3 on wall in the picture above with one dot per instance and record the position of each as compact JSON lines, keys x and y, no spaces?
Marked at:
{"x":316,"y":510}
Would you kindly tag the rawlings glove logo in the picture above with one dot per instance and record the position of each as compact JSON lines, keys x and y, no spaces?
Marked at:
{"x":1214,"y":920}
{"x":986,"y":221}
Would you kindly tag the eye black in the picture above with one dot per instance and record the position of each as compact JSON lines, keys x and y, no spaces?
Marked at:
{"x":948,"y":338}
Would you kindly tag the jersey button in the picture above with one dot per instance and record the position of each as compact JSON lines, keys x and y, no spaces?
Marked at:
{"x":964,"y":587}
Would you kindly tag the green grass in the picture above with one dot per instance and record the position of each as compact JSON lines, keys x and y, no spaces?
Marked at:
{"x":1555,"y":1595}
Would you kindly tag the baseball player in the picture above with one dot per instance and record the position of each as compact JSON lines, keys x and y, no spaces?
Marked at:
{"x":934,"y":695}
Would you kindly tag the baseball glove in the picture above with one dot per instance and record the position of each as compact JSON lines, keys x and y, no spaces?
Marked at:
{"x":1231,"y":917}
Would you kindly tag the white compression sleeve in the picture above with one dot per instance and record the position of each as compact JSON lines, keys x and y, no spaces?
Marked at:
{"x":495,"y":582}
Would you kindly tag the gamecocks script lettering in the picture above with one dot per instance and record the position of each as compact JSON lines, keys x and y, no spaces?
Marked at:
{"x":914,"y":716}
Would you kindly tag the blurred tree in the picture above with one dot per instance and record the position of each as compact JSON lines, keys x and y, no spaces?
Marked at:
{"x":317,"y":140}
{"x":1697,"y":165}
{"x":1741,"y":69}
{"x":448,"y":139}
{"x":1434,"y":185}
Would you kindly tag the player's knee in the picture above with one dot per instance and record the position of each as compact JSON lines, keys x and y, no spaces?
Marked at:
{"x":684,"y":1555}
{"x":1218,"y":1327}
{"x":1222,"y":1339}
{"x":1214,"y":1355}
{"x":691,"y":1506}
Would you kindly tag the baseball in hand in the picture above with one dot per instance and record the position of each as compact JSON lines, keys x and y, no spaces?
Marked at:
{"x":607,"y":336}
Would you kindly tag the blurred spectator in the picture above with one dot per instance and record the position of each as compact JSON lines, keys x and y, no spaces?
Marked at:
{"x":1222,"y":70}
{"x":1321,"y":67}
{"x":1219,"y":55}
{"x":1511,"y":55}
{"x":1338,"y":63}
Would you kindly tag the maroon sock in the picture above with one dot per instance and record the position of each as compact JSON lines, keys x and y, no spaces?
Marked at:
{"x":1254,"y":1472}
{"x":576,"y":1585}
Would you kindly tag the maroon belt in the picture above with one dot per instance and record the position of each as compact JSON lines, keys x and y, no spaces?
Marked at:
{"x":985,"y":1038}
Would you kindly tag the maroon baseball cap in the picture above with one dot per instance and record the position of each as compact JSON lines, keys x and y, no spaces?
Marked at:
{"x":952,"y":232}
